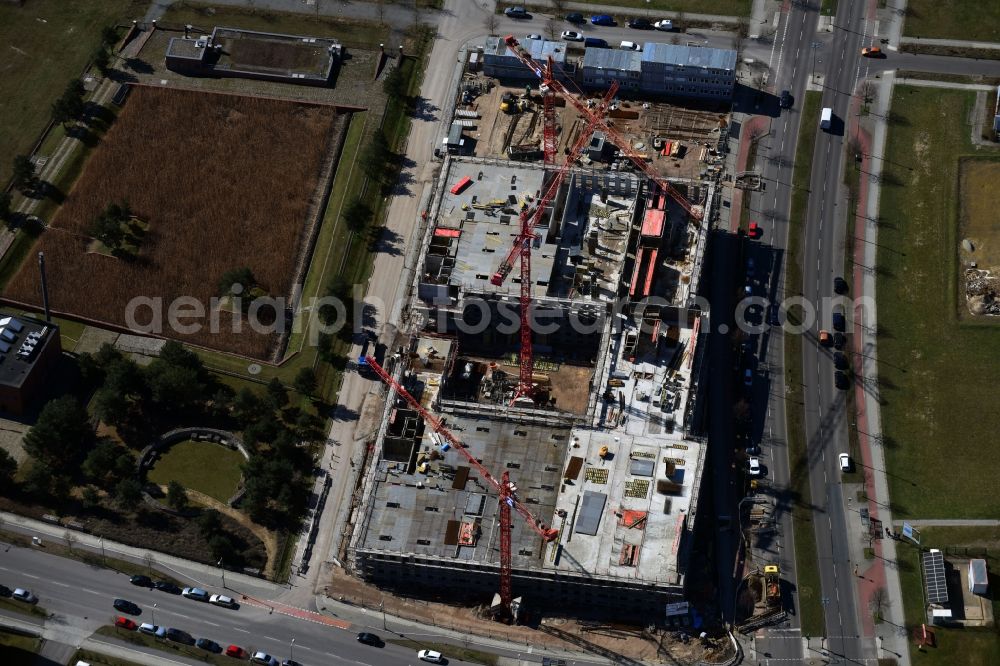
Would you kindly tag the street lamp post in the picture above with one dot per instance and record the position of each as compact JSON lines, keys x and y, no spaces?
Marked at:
{"x":291,"y":651}
{"x":381,"y":606}
{"x":223,"y":570}
{"x":153,"y":613}
{"x":103,"y":561}
{"x":814,"y":46}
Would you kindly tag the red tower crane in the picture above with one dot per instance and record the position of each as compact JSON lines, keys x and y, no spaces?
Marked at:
{"x":549,"y":118}
{"x":506,"y":490}
{"x":550,"y":83}
{"x":530,"y":216}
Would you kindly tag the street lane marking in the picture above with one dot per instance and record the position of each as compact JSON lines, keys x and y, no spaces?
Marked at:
{"x":88,"y":590}
{"x":27,"y":575}
{"x":55,"y":582}
{"x":245,"y":631}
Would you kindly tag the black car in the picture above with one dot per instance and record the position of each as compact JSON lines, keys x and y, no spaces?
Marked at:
{"x":291,"y":662}
{"x":208,"y":645}
{"x":839,"y":340}
{"x":167,"y":586}
{"x":840,"y":361}
{"x":840,"y":285}
{"x":786,"y":100}
{"x":841,"y":381}
{"x":126,"y":606}
{"x":516,"y":12}
{"x":753,"y":450}
{"x":5,"y":591}
{"x":141,"y":581}
{"x":369,"y":639}
{"x":575,"y":18}
{"x":640,"y":24}
{"x":178,"y":636}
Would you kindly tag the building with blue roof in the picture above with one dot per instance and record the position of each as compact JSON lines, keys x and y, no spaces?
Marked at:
{"x":500,"y":62}
{"x":688,"y":71}
{"x":602,"y":66}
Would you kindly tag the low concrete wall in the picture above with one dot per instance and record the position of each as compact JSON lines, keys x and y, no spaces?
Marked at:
{"x":168,"y":439}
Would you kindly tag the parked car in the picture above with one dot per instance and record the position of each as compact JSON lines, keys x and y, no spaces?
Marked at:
{"x":576,"y":17}
{"x":871,"y":52}
{"x":840,"y":285}
{"x":290,"y":662}
{"x":629,"y":46}
{"x":126,"y":606}
{"x":152,"y":630}
{"x":223,"y":600}
{"x":841,"y":381}
{"x":24,"y":595}
{"x":839,"y":320}
{"x":236,"y":651}
{"x":5,"y":591}
{"x":431,"y":656}
{"x":786,"y":100}
{"x":840,"y":361}
{"x":753,"y":450}
{"x":532,"y":36}
{"x":595,"y":42}
{"x":208,"y":645}
{"x":839,"y":340}
{"x":263,"y":658}
{"x":640,"y":23}
{"x":195,"y":593}
{"x":845,"y":462}
{"x":167,"y":586}
{"x":126,"y":623}
{"x":753,"y":466}
{"x":603,"y":19}
{"x":572,"y":36}
{"x":369,"y":639}
{"x":754,"y":230}
{"x":666,"y":25}
{"x":141,"y":581}
{"x":748,"y":377}
{"x":516,"y":12}
{"x":178,"y":636}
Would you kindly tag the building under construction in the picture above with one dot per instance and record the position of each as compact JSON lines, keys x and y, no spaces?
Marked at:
{"x":606,"y":449}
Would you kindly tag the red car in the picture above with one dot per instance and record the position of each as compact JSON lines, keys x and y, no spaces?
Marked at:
{"x":755,"y":230}
{"x":125,"y":623}
{"x":236,"y":651}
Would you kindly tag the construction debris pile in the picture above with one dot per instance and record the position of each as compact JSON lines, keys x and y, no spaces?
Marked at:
{"x":982,"y":292}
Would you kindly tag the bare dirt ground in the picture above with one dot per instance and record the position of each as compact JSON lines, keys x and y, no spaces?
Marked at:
{"x":979,"y":239}
{"x":624,"y":640}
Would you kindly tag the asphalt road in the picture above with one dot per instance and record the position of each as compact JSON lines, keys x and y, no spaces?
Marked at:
{"x":81,"y":598}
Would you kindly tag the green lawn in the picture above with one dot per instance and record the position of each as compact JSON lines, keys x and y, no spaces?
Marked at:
{"x":937,"y":375}
{"x":956,"y":19}
{"x":354,"y":34}
{"x":98,"y":659}
{"x":806,"y":556}
{"x":969,"y":647}
{"x":45,"y":44}
{"x":209,"y":468}
{"x":7,"y":604}
{"x":19,"y":650}
{"x":453,"y":651}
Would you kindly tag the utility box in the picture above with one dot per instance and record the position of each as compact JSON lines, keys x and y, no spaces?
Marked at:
{"x":979,"y":581}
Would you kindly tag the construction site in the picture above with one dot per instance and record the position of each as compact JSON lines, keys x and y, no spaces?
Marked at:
{"x":552,"y":368}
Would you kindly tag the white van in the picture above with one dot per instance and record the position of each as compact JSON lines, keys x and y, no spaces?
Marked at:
{"x":826,"y":118}
{"x":630,"y":46}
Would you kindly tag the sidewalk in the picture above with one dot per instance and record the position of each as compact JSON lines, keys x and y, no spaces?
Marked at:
{"x":881,"y":574}
{"x":950,"y":42}
{"x":620,"y":13}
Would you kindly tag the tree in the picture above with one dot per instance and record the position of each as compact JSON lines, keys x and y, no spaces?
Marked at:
{"x":376,"y":156}
{"x":209,"y":523}
{"x":61,"y":436}
{"x":5,"y":201}
{"x":305,"y":381}
{"x":90,"y":497}
{"x":39,"y":479}
{"x":109,"y":35}
{"x":70,"y":104}
{"x":241,"y":277}
{"x":8,"y":467}
{"x":107,"y":464}
{"x":174,"y":353}
{"x":246,"y":407}
{"x":128,"y":493}
{"x":174,"y":388}
{"x":106,"y":229}
{"x":357,"y":215}
{"x":25,"y":178}
{"x":101,"y":59}
{"x":395,"y":83}
{"x":491,"y":23}
{"x":70,"y":539}
{"x":277,"y":393}
{"x":177,"y":496}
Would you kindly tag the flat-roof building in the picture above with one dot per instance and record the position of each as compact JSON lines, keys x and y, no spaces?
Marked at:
{"x":29,"y":351}
{"x":499,"y":60}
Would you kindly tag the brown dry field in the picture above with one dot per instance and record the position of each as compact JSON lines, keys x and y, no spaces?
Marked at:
{"x":978,"y":220}
{"x":223,"y":181}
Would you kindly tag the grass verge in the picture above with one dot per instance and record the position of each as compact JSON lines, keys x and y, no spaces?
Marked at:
{"x":972,"y":646}
{"x":23,"y":608}
{"x":452,"y":651}
{"x":956,"y":19}
{"x":19,"y":649}
{"x":806,"y":555}
{"x":719,"y":7}
{"x":94,"y":559}
{"x":950,"y":51}
{"x":209,"y":468}
{"x":98,"y":659}
{"x":937,"y":371}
